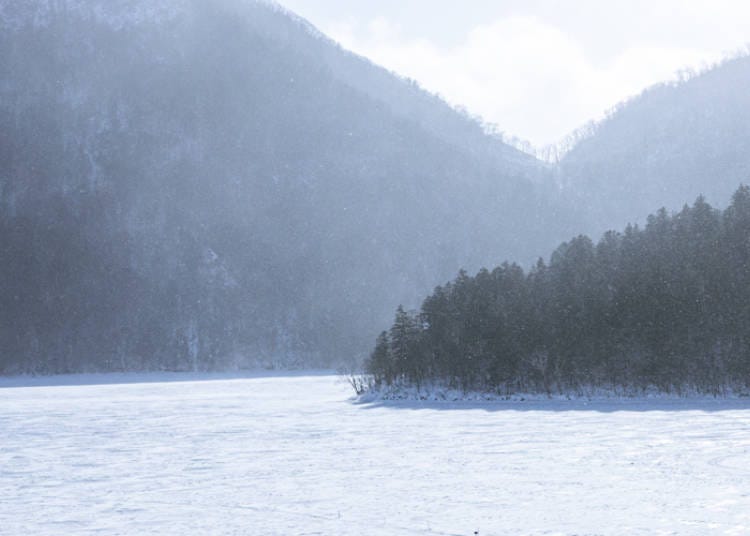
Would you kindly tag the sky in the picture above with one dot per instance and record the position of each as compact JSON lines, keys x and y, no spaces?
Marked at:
{"x":537,"y":69}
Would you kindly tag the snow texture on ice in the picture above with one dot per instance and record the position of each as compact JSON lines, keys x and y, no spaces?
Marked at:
{"x":293,"y":455}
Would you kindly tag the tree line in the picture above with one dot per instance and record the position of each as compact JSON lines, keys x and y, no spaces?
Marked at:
{"x":665,"y":306}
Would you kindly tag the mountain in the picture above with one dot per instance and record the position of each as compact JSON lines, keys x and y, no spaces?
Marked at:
{"x":206,"y":185}
{"x":665,"y":147}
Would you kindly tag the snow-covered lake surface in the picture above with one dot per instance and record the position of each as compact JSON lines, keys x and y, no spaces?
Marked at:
{"x":292,"y":455}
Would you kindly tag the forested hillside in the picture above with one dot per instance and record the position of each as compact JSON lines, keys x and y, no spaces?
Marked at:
{"x":212,"y":185}
{"x":665,"y":147}
{"x":209,"y":185}
{"x":662,"y":306}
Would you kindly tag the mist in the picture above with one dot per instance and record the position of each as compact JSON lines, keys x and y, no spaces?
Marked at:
{"x":296,"y":270}
{"x":194,"y":186}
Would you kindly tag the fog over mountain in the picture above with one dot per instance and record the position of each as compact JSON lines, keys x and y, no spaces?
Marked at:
{"x":191,"y":185}
{"x":664,"y":148}
{"x":208,"y":185}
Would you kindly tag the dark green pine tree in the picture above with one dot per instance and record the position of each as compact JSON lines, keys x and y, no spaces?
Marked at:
{"x":380,"y":364}
{"x":665,"y":306}
{"x":403,"y":348}
{"x":735,"y":274}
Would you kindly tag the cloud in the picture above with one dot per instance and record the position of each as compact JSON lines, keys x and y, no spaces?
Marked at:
{"x":531,"y":78}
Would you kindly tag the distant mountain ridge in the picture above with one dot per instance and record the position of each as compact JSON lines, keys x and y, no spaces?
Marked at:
{"x":665,"y":147}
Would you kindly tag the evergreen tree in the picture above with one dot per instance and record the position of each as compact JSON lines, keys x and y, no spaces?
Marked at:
{"x":665,"y":306}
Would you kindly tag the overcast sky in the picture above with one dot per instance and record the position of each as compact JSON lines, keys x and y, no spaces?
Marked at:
{"x":536,"y":68}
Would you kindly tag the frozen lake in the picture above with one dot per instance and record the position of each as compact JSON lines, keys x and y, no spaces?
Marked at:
{"x":292,"y":456}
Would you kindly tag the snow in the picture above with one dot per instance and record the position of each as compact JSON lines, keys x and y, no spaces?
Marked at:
{"x":294,"y":455}
{"x":436,"y":392}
